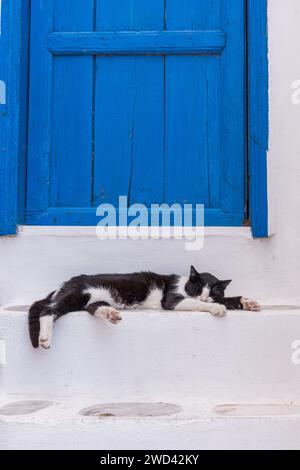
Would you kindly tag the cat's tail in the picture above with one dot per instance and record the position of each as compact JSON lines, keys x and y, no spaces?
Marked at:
{"x":34,"y":320}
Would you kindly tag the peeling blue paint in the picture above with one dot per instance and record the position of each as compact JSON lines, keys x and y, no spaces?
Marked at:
{"x":2,"y":92}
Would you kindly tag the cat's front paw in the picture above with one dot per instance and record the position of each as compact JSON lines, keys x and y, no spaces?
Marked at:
{"x":218,"y":310}
{"x":114,"y":317}
{"x":250,"y":305}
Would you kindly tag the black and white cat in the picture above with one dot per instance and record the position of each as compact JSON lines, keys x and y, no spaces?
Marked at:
{"x":104,"y":295}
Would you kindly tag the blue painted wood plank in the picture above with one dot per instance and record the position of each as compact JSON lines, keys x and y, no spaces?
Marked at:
{"x":233,"y":110}
{"x":186,"y":131}
{"x":147,"y":136}
{"x":129,"y":131}
{"x":150,"y":42}
{"x":10,"y":114}
{"x":23,"y":101}
{"x":7,"y":223}
{"x":129,"y":15}
{"x":87,"y":217}
{"x":193,"y":15}
{"x":72,"y":112}
{"x":73,"y":15}
{"x":258,"y":116}
{"x":40,"y":111}
{"x":129,"y":113}
{"x":214,"y":92}
{"x":192,"y":130}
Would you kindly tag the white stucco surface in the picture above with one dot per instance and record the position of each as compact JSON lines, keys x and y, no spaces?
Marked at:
{"x":284,"y":153}
{"x":233,"y":382}
{"x":242,"y":358}
{"x":203,"y":433}
{"x":192,"y":360}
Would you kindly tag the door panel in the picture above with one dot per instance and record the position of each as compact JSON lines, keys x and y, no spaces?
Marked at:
{"x":129,"y":130}
{"x":72,"y":110}
{"x":139,"y":99}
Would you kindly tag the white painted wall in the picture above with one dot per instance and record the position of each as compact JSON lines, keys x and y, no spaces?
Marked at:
{"x":157,"y":356}
{"x":284,"y":154}
{"x":32,"y":264}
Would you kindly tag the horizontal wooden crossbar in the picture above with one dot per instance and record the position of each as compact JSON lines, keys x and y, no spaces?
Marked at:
{"x":84,"y":216}
{"x":127,"y":43}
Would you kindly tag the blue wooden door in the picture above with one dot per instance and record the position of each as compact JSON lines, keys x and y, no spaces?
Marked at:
{"x":136,"y":98}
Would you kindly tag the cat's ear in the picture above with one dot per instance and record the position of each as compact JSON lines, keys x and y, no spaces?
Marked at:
{"x":224,"y":284}
{"x":194,"y":273}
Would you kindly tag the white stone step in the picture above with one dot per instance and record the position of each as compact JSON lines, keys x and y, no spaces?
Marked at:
{"x":157,"y":356}
{"x":39,"y":259}
{"x":60,"y":426}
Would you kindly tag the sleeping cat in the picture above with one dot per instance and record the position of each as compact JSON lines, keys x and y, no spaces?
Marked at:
{"x":104,"y":295}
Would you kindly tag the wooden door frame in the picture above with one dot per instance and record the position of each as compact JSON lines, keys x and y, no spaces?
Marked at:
{"x":258,"y":115}
{"x":14,"y":118}
{"x":14,"y":71}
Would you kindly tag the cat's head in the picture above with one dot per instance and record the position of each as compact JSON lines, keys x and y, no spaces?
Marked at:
{"x":205,"y":286}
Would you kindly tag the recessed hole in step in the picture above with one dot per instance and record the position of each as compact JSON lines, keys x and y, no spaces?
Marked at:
{"x":20,"y":408}
{"x":257,"y":410}
{"x":17,"y":308}
{"x":131,"y":410}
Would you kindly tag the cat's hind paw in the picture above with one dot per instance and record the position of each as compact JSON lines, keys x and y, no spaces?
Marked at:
{"x":218,"y":310}
{"x":46,"y":330}
{"x":45,"y":342}
{"x":110,"y":314}
{"x":250,"y":305}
